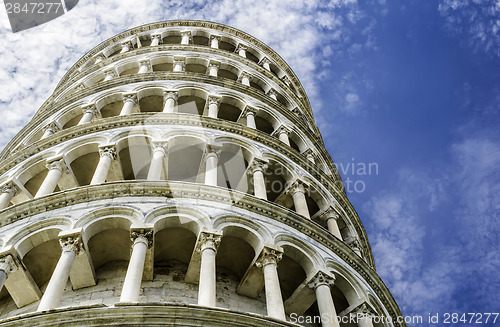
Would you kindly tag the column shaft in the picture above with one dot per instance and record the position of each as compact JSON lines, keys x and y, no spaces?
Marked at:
{"x":211,"y":169}
{"x":128,"y":106}
{"x":53,"y":294}
{"x":86,"y":118}
{"x":143,"y":69}
{"x":102,"y":170}
{"x":156,"y":166}
{"x":5,"y":199}
{"x":207,"y":286}
{"x":213,"y":109}
{"x":274,"y":301}
{"x":259,"y":184}
{"x":300,"y":203}
{"x":213,"y":71}
{"x":326,"y":306}
{"x":283,"y":137}
{"x":214,"y":42}
{"x":133,"y":279}
{"x":50,"y":182}
{"x":3,"y":278}
{"x":333,"y":227}
{"x":251,"y":120}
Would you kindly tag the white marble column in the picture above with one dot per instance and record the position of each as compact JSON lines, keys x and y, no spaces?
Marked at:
{"x":309,"y":154}
{"x":272,"y":94}
{"x":144,"y":66}
{"x":179,"y":65}
{"x":49,"y":130}
{"x":107,"y":154}
{"x":282,"y":133}
{"x":213,"y":68}
{"x":250,"y":117}
{"x":268,"y":261}
{"x":126,"y":46}
{"x":100,"y":57}
{"x":245,"y":78}
{"x":242,"y":50}
{"x":56,"y":168}
{"x":156,"y":170}
{"x":364,"y":316}
{"x":207,"y":245}
{"x":109,"y":74}
{"x":331,"y":217}
{"x":7,"y":192}
{"x":213,"y":106}
{"x":141,"y":240}
{"x":185,"y":37}
{"x":170,"y":101}
{"x":353,"y":243}
{"x":89,"y":112}
{"x":129,"y":102}
{"x":257,"y":168}
{"x":265,"y":62}
{"x":298,"y":191}
{"x":321,"y":283}
{"x":212,"y":159}
{"x":214,"y":41}
{"x":7,"y":264}
{"x":155,"y":39}
{"x":71,"y":246}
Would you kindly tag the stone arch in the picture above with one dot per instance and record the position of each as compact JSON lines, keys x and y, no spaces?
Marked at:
{"x":134,"y":153}
{"x":127,"y":67}
{"x":185,"y":157}
{"x":346,"y":283}
{"x":162,"y":63}
{"x":150,"y":98}
{"x":196,"y":65}
{"x":231,"y":106}
{"x":191,"y":99}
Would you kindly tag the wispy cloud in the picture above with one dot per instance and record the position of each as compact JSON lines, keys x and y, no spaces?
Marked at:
{"x":476,"y":21}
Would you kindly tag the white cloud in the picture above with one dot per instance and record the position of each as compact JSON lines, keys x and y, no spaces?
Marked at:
{"x":37,"y":58}
{"x":476,"y":21}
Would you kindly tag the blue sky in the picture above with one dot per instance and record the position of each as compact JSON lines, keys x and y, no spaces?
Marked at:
{"x":410,"y":85}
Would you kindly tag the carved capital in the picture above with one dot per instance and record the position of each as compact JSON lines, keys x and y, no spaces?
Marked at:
{"x":168,"y":94}
{"x":108,"y":150}
{"x":157,"y":36}
{"x":298,"y":186}
{"x":213,"y":99}
{"x":241,"y":47}
{"x":321,"y":278}
{"x":145,"y":62}
{"x":309,"y":153}
{"x":217,"y":37}
{"x":58,"y":164}
{"x":180,"y":62}
{"x":186,"y":33}
{"x":272,"y":92}
{"x":330,"y":213}
{"x":257,"y":165}
{"x":214,"y":64}
{"x":160,"y":146}
{"x":264,"y":60}
{"x":209,"y":240}
{"x":282,"y":130}
{"x":364,"y":310}
{"x":354,"y":244}
{"x":91,"y":109}
{"x":286,"y":80}
{"x":143,"y":236}
{"x":8,"y":264}
{"x":269,"y":256}
{"x":110,"y":73}
{"x":127,"y":45}
{"x":100,"y":57}
{"x":9,"y":187}
{"x":130,"y":97}
{"x":71,"y":243}
{"x":246,"y":75}
{"x":213,"y":150}
{"x":249,"y":111}
{"x":52,"y":127}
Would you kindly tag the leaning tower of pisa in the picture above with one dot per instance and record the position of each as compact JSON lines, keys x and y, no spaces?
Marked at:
{"x":176,"y":177}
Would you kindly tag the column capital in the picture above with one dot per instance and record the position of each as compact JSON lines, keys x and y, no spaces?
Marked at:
{"x":71,"y":243}
{"x":100,"y":57}
{"x":264,"y":60}
{"x":143,"y":235}
{"x":354,"y":244}
{"x":160,"y":146}
{"x":249,"y":111}
{"x":91,"y":109}
{"x":257,"y":164}
{"x":52,"y":127}
{"x":213,"y":150}
{"x":186,"y":33}
{"x":282,"y":129}
{"x":272,"y":92}
{"x":146,"y":62}
{"x":180,"y":61}
{"x":298,"y":186}
{"x":9,"y":187}
{"x":241,"y":47}
{"x":108,"y":150}
{"x":214,"y":64}
{"x":321,"y":278}
{"x":286,"y":80}
{"x":110,"y":73}
{"x":156,"y":36}
{"x":268,"y":256}
{"x":127,"y":44}
{"x":215,"y":37}
{"x":308,"y":153}
{"x":130,"y":97}
{"x":56,"y":163}
{"x":171,"y":94}
{"x":213,"y":99}
{"x":209,"y":240}
{"x":245,"y":74}
{"x":8,"y":264}
{"x":330,"y":213}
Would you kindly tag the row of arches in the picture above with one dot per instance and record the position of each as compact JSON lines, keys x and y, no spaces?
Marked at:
{"x":188,"y":64}
{"x":176,"y":232}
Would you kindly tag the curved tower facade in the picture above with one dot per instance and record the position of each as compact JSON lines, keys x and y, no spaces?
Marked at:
{"x":176,"y":176}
